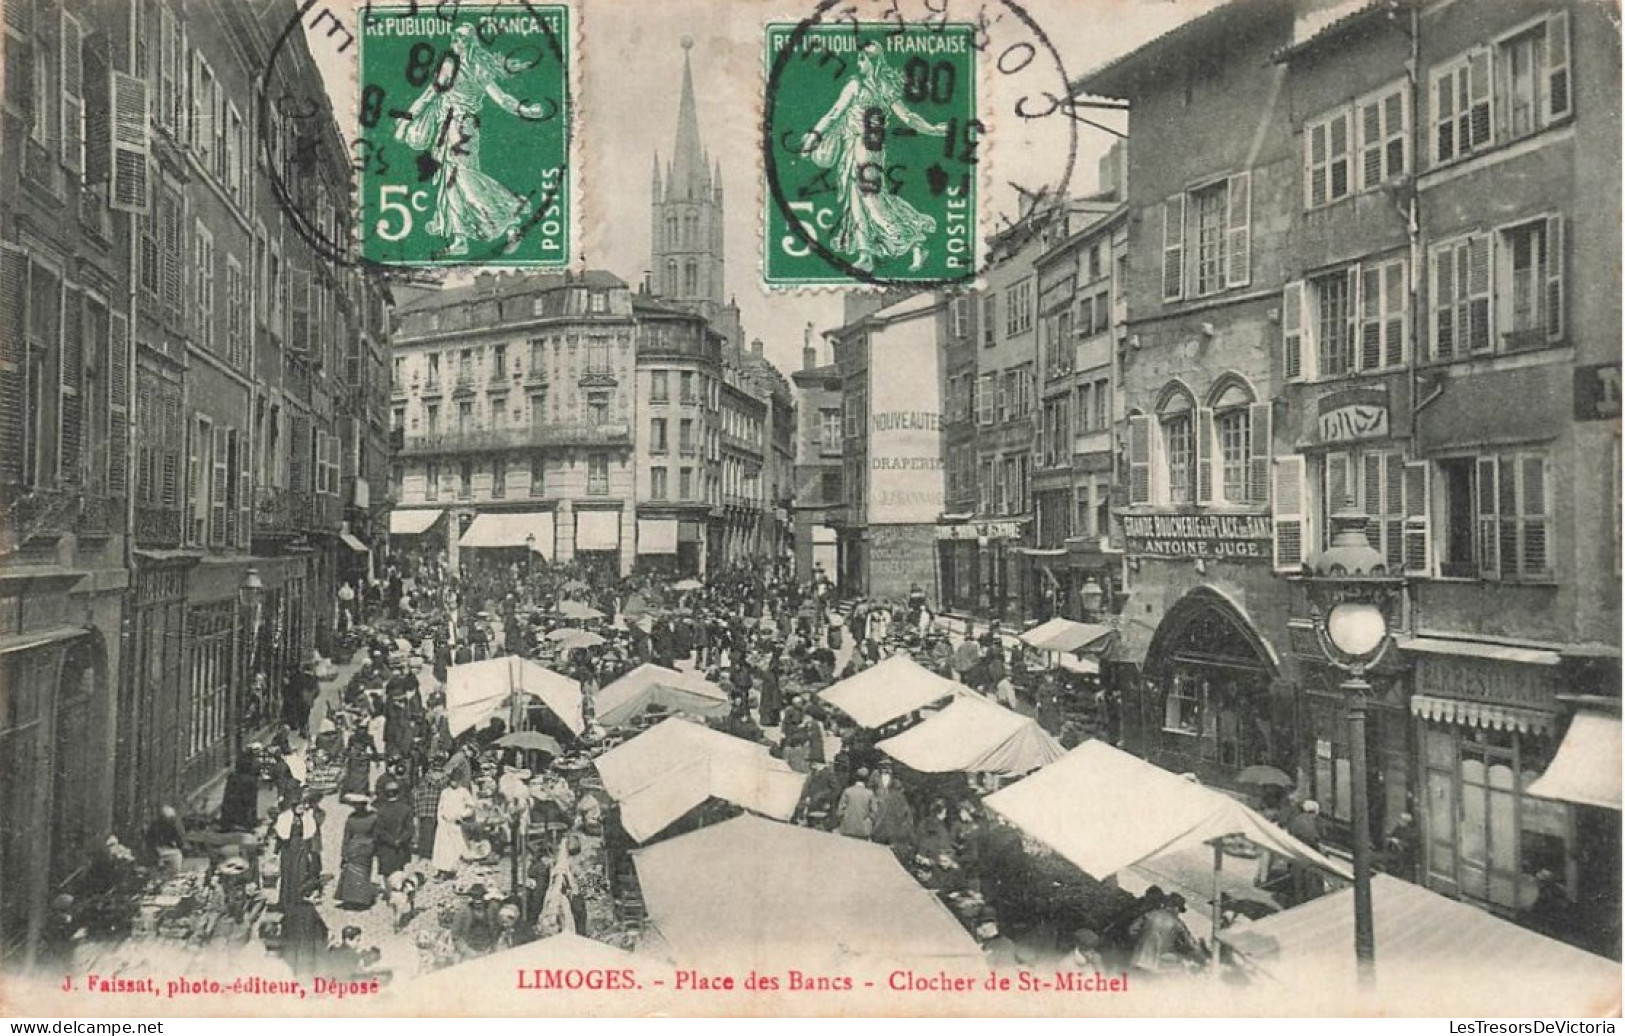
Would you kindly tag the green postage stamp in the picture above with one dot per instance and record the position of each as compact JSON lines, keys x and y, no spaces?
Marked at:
{"x":870,"y":148}
{"x":464,"y":140}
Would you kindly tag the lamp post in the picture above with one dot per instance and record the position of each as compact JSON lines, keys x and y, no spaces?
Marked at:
{"x":530,"y":554}
{"x":1089,"y":597}
{"x":1351,"y":593}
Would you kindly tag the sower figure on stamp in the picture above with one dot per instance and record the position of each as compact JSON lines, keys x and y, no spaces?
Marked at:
{"x":850,"y":140}
{"x":445,"y":122}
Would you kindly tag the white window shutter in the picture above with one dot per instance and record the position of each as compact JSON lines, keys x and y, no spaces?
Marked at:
{"x":1338,"y":485}
{"x":73,"y":94}
{"x":1487,"y":509}
{"x":1173,"y":248}
{"x":1259,"y":451}
{"x":1418,"y":537}
{"x":1480,"y":99}
{"x":1554,"y":278}
{"x":217,"y":490}
{"x":1203,"y":435}
{"x":1139,"y":459}
{"x":1558,"y":100}
{"x":1291,"y":520}
{"x":1292,"y":331}
{"x":1238,"y":231}
{"x":132,"y":181}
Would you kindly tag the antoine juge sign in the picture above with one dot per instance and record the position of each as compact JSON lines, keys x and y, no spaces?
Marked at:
{"x":1230,"y":537}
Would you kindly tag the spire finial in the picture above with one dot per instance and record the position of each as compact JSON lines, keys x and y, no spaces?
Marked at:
{"x":688,"y":42}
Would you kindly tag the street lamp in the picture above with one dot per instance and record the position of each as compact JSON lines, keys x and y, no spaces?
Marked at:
{"x":1089,"y":597}
{"x":530,"y":554}
{"x":1351,"y":593}
{"x":251,"y":596}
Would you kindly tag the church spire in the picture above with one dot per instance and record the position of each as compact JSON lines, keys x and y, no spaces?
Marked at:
{"x":688,"y":176}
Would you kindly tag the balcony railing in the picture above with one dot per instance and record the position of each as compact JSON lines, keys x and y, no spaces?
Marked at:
{"x":553,"y":434}
{"x":273,"y":511}
{"x":464,"y":385}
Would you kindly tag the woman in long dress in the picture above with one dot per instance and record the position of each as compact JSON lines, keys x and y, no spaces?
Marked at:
{"x":445,"y":122}
{"x":450,"y":844}
{"x":850,"y":141}
{"x":356,"y":891}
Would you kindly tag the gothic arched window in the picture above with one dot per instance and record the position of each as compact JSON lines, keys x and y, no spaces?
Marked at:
{"x":691,"y":278}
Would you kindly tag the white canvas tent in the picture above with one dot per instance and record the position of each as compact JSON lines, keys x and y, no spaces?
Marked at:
{"x":974,"y":735}
{"x":478,"y":691}
{"x":754,"y":892}
{"x":1423,"y":941}
{"x":1064,"y":636}
{"x":652,"y":755}
{"x":757,"y":786}
{"x":1105,"y":810}
{"x":889,"y":689}
{"x":650,"y":684}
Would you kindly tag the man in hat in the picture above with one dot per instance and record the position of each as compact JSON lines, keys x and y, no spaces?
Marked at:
{"x":819,"y":796}
{"x":1307,"y":882}
{"x":426,"y":809}
{"x":394,"y":829}
{"x":999,"y":949}
{"x":894,"y":818}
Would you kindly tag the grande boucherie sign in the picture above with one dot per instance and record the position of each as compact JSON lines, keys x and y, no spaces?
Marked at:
{"x":1218,"y":537}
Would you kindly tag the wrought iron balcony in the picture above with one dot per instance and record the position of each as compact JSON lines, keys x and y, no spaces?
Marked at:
{"x":551,"y":434}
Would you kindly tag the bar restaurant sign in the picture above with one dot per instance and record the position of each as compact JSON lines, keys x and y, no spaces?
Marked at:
{"x":1218,"y":537}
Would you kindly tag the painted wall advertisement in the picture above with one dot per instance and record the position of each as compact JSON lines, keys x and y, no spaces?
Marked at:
{"x":905,"y":426}
{"x":1212,"y":536}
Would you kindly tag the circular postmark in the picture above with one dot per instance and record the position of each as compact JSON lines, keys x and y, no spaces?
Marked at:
{"x":462,"y":138}
{"x":875,"y":133}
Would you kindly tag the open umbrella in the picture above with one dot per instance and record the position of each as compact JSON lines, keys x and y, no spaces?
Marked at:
{"x":530,"y":740}
{"x":1265,"y":776}
{"x":578,"y":611}
{"x":687,"y":584}
{"x":572,"y":638}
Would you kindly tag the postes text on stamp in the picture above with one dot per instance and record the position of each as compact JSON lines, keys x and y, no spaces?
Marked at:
{"x":465,"y":135}
{"x":870,"y":150}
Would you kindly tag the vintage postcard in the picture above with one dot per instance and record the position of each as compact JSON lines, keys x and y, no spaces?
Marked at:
{"x":810,"y":507}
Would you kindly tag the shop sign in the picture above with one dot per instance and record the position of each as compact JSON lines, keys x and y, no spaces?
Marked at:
{"x":1596,"y":392}
{"x":1352,"y":415}
{"x":1219,"y":537}
{"x":980,"y":530}
{"x":1483,"y":679}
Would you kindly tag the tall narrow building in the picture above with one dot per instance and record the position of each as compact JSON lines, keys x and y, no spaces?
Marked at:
{"x":686,"y":231}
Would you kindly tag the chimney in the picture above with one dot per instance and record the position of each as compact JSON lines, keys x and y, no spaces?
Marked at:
{"x":809,"y":351}
{"x":756,"y":347}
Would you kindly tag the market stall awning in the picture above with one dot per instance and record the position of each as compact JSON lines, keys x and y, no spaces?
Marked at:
{"x":1065,"y":635}
{"x":412,"y":523}
{"x":1105,"y":810}
{"x":650,"y":684}
{"x":467,"y":988}
{"x":974,"y":735}
{"x":1424,"y":942}
{"x":753,"y":892}
{"x":630,"y":767}
{"x":534,"y":529}
{"x":479,"y":691}
{"x":757,"y":786}
{"x":349,"y":540}
{"x":1587,"y":765}
{"x":889,"y":689}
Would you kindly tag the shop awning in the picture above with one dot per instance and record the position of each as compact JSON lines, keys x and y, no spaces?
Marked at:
{"x":1426,"y":945}
{"x":1478,"y":649}
{"x":647,"y":759}
{"x":756,"y":786}
{"x":1587,"y":765}
{"x":598,"y":530}
{"x":625,"y":699}
{"x":512,"y":530}
{"x":657,"y":535}
{"x":1485,"y":714}
{"x":40,"y":638}
{"x":756,"y":893}
{"x":1105,"y":810}
{"x":480,"y":691}
{"x":888,"y":690}
{"x":1065,"y":636}
{"x":974,"y":735}
{"x":349,"y":540}
{"x":412,"y":523}
{"x":1081,"y":666}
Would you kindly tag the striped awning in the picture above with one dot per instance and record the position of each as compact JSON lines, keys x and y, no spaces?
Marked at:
{"x":1488,"y":715}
